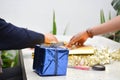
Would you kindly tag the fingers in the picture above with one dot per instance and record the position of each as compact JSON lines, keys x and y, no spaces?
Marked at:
{"x":74,"y":41}
{"x":78,"y":40}
{"x":73,"y":44}
{"x":70,"y":43}
{"x":50,"y":38}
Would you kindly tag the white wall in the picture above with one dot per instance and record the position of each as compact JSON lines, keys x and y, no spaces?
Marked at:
{"x":37,"y":15}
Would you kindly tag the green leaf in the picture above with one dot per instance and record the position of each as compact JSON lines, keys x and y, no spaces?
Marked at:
{"x":118,"y":12}
{"x":9,"y":60}
{"x":109,"y":15}
{"x":54,"y":24}
{"x":102,"y":17}
{"x":116,"y":6}
{"x":65,"y":30}
{"x":16,"y":59}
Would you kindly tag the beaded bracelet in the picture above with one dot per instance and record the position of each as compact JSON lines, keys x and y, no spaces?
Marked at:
{"x":89,"y":33}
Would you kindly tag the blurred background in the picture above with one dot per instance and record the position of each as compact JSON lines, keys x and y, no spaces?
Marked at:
{"x":37,"y":15}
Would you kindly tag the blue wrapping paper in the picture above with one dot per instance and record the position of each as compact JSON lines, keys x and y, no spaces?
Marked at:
{"x":50,"y":60}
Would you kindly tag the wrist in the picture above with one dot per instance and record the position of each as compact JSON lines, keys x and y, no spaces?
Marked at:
{"x":90,"y":33}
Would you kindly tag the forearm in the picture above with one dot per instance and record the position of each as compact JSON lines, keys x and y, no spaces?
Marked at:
{"x":12,"y":37}
{"x":110,"y":26}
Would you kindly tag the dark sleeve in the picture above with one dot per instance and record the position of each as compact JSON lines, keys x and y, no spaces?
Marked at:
{"x":12,"y":37}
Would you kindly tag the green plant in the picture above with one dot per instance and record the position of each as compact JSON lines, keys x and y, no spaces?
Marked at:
{"x":112,"y":35}
{"x":116,"y":6}
{"x":54,"y":31}
{"x":102,"y":16}
{"x":54,"y":27}
{"x":103,"y":20}
{"x":65,"y":30}
{"x":10,"y":58}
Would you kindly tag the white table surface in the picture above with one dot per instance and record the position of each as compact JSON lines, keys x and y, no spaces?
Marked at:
{"x":112,"y":71}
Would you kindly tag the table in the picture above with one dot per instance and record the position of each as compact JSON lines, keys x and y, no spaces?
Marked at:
{"x":112,"y":71}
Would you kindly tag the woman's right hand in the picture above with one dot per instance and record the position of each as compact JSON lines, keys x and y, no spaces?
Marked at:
{"x":78,"y":39}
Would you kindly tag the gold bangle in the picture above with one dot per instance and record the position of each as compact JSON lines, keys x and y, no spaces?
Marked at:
{"x":90,"y":34}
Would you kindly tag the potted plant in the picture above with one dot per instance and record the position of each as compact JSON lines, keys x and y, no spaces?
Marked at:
{"x":113,"y":35}
{"x":11,"y":65}
{"x":116,"y":6}
{"x":54,"y":26}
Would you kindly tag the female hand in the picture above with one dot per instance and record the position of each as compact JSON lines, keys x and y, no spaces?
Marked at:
{"x":78,"y":39}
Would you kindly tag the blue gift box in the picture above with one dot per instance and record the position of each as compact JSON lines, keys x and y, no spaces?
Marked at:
{"x":50,"y":60}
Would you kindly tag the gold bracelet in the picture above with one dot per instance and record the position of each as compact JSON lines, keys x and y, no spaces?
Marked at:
{"x":89,"y":33}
